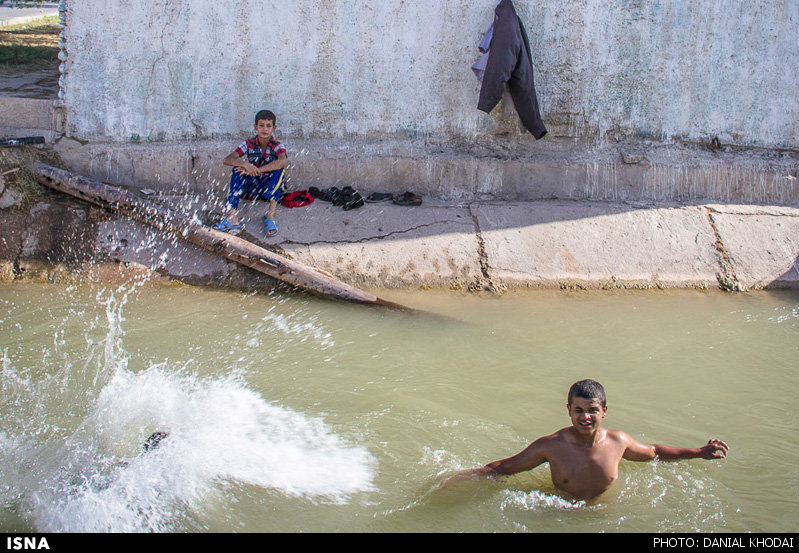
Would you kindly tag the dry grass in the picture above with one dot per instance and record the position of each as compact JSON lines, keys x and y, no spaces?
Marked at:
{"x":35,"y":43}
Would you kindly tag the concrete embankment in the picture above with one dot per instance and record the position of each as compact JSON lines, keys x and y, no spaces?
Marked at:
{"x":460,"y":244}
{"x":496,"y":213}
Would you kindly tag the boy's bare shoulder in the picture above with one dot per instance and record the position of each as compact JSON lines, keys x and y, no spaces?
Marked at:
{"x":548,"y":444}
{"x":618,"y":436}
{"x":555,"y":438}
{"x":559,"y":436}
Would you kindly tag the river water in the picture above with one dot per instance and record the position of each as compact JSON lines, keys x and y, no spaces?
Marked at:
{"x":288,"y":413}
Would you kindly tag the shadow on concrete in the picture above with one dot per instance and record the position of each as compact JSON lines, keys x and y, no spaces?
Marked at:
{"x":789,"y":279}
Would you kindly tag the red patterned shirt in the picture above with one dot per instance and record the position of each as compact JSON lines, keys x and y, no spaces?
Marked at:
{"x":258,"y":156}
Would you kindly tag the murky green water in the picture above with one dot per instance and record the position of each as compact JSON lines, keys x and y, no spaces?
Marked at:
{"x":295,"y":414}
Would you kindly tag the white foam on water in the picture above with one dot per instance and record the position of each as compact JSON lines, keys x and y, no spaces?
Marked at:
{"x":220,"y":432}
{"x":93,"y":476}
{"x":536,"y":500}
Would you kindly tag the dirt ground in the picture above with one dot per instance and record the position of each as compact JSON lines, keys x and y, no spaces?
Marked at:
{"x":30,"y":81}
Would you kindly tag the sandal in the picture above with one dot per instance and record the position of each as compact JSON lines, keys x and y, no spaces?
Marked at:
{"x":270,"y":226}
{"x":226,"y":226}
{"x":375,"y":197}
{"x":409,"y":198}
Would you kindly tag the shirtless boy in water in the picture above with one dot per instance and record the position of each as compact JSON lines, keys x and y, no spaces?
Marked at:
{"x":584,"y":457}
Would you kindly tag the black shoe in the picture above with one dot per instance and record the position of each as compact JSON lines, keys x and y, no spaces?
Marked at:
{"x":343,"y":195}
{"x":353,"y":202}
{"x":326,"y":195}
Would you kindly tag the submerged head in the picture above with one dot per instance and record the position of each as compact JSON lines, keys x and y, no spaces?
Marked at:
{"x":587,"y":405}
{"x":153,"y":441}
{"x":265,"y":124}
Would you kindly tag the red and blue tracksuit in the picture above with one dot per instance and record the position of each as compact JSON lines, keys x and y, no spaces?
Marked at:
{"x":267,"y":186}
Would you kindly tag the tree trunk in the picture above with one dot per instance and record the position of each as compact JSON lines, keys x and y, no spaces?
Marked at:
{"x":221,"y":243}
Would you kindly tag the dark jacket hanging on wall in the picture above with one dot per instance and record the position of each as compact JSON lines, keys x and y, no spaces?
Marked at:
{"x":510,"y":61}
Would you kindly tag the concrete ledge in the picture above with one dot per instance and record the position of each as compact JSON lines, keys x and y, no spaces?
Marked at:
{"x":463,"y":245}
{"x":597,"y":245}
{"x":31,"y":113}
{"x":590,"y":245}
{"x":380,"y":244}
{"x":762,"y":244}
{"x":487,"y":169}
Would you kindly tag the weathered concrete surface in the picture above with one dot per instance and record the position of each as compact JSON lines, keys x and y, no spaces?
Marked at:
{"x":380,"y":244}
{"x":20,"y":117}
{"x":661,"y":69}
{"x":762,"y":244}
{"x":29,"y":113}
{"x":475,"y":245}
{"x":484,"y":169}
{"x":597,"y":244}
{"x":123,"y":240}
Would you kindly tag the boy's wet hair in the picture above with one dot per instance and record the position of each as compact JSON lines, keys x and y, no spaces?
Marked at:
{"x":265,"y":115}
{"x":587,"y":389}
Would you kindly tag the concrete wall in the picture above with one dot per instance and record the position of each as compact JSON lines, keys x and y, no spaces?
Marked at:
{"x":655,"y":69}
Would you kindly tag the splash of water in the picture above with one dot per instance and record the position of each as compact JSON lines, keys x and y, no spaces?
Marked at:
{"x":88,"y":473}
{"x":536,"y":500}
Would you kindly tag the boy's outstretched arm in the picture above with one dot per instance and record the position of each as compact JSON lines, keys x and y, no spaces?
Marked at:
{"x":636,"y":451}
{"x":527,"y":459}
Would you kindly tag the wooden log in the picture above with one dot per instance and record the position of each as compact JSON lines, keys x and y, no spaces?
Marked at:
{"x":221,"y":243}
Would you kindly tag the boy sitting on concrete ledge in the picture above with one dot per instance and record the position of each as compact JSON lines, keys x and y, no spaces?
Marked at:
{"x":258,"y":167}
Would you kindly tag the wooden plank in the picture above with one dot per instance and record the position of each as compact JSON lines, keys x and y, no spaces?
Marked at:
{"x":221,"y":243}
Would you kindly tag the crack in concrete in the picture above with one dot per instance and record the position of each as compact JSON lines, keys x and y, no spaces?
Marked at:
{"x":772,"y":212}
{"x":367,"y":239}
{"x":486,"y":282}
{"x":728,"y":280}
{"x":482,"y":257}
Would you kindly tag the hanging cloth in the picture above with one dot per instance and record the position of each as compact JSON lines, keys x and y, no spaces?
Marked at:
{"x":479,"y":69}
{"x":508,"y":62}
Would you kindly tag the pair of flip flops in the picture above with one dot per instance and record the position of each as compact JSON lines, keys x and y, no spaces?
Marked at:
{"x":270,"y":227}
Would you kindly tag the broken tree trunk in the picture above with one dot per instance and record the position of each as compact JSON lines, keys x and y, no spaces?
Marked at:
{"x":220,"y":243}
